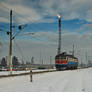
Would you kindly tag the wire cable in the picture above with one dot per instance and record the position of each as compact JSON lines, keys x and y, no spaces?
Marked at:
{"x":19,"y":49}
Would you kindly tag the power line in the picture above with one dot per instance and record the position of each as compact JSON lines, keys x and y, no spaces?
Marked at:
{"x":19,"y":49}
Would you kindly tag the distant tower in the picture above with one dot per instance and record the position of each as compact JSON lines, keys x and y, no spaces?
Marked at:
{"x":59,"y":39}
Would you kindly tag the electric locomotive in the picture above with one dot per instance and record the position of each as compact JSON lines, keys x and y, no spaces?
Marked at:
{"x":66,"y":61}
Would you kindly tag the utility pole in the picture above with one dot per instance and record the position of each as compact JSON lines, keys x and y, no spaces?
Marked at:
{"x":73,"y":50}
{"x":50,"y":59}
{"x":20,"y":27}
{"x":59,"y":39}
{"x":86,"y":57}
{"x":10,"y":47}
{"x":40,"y":57}
{"x":42,"y":61}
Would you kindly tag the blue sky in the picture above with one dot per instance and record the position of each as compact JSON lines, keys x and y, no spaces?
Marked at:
{"x":40,"y":17}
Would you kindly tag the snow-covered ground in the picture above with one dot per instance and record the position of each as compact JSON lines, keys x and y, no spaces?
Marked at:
{"x":13,"y":72}
{"x":62,"y":81}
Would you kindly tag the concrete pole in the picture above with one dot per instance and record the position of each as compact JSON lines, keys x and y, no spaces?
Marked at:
{"x":10,"y":47}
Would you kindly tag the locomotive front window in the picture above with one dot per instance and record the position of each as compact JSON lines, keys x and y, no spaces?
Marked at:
{"x":62,"y":58}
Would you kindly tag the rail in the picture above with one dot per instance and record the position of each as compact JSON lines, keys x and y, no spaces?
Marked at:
{"x":27,"y":73}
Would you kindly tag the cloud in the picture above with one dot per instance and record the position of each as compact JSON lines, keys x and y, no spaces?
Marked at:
{"x":69,"y":9}
{"x":2,"y":19}
{"x":30,"y":10}
{"x":22,"y":13}
{"x":47,"y":44}
{"x":85,"y":28}
{"x":89,"y":15}
{"x":46,"y":36}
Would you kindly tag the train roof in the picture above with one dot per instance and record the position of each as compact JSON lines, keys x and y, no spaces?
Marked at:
{"x":64,"y":54}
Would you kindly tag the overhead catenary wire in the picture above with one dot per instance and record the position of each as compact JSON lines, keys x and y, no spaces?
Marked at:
{"x":19,"y":49}
{"x":16,"y":14}
{"x":19,"y":16}
{"x":31,"y":23}
{"x":22,"y":16}
{"x":25,"y":19}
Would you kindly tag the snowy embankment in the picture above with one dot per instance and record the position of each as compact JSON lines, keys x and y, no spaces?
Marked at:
{"x":19,"y":72}
{"x":62,"y":81}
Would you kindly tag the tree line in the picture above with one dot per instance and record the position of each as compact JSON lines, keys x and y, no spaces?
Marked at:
{"x":15,"y":62}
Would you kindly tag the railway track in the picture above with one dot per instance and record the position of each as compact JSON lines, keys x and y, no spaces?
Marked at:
{"x":27,"y":73}
{"x":33,"y":72}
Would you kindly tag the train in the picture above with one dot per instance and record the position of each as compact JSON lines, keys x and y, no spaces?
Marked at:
{"x":65,"y":61}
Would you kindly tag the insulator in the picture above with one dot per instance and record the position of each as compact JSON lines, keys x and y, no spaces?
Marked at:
{"x":8,"y":33}
{"x":20,"y":27}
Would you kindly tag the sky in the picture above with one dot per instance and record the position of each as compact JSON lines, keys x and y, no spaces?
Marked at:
{"x":40,"y":18}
